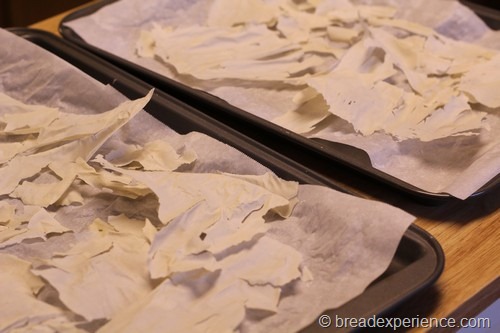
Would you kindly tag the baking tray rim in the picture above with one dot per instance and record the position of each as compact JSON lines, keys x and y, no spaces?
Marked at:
{"x":426,"y":268}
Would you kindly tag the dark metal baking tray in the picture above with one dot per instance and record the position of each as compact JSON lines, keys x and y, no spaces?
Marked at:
{"x":419,"y":259}
{"x":272,"y":135}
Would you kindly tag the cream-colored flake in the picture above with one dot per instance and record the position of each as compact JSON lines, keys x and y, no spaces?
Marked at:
{"x":7,"y":212}
{"x":364,"y":58}
{"x":463,"y":55}
{"x":305,"y":95}
{"x":228,"y":13}
{"x":19,"y":286}
{"x":53,"y":325}
{"x":156,"y":155}
{"x":192,"y":205}
{"x":123,"y":224}
{"x":430,"y":63}
{"x":304,"y":6}
{"x":354,"y":14}
{"x":403,"y":55}
{"x":179,"y":246}
{"x":201,"y":301}
{"x":376,"y":11}
{"x":70,"y":197}
{"x":93,"y":270}
{"x":321,"y":46}
{"x":89,"y":242}
{"x":145,"y":45}
{"x":173,"y":201}
{"x":305,"y":21}
{"x":194,"y":49}
{"x":307,"y":275}
{"x":277,"y":269}
{"x":149,"y":231}
{"x":23,"y":214}
{"x":412,"y":27}
{"x":239,"y":226}
{"x":412,"y":111}
{"x":63,"y":128}
{"x":22,"y":167}
{"x":303,"y":119}
{"x":44,"y":223}
{"x":10,"y":149}
{"x":9,"y":236}
{"x":354,"y":57}
{"x":340,"y":34}
{"x":402,"y":59}
{"x":364,"y":105}
{"x":179,"y":192}
{"x":118,"y":184}
{"x":253,"y":53}
{"x":482,"y":82}
{"x":45,"y":194}
{"x":323,"y":7}
{"x":21,"y":118}
{"x":272,"y":183}
{"x":40,"y":226}
{"x":280,"y":69}
{"x":262,"y":297}
{"x":457,"y":115}
{"x":175,"y":308}
{"x":182,"y":239}
{"x":291,"y":30}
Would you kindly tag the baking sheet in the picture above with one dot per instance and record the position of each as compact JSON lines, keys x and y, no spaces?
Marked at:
{"x":425,"y":256}
{"x":462,"y":166}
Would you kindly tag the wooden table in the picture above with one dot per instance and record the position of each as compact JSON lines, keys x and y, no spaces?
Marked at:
{"x":468,"y":231}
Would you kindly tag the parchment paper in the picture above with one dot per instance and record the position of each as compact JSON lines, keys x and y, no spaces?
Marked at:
{"x":346,"y":241}
{"x":456,"y":165}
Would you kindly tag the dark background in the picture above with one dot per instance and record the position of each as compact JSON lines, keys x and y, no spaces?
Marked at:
{"x":487,"y":3}
{"x":19,"y":13}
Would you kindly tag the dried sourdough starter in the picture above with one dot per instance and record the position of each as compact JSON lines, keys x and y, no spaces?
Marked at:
{"x":378,"y":72}
{"x":101,"y":225}
{"x":458,"y":165}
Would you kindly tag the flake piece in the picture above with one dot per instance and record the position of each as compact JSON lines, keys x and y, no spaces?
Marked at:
{"x":40,"y":226}
{"x":340,"y":34}
{"x":7,"y":212}
{"x":21,"y":118}
{"x":22,"y":167}
{"x":199,"y":301}
{"x":45,"y":194}
{"x":303,"y":119}
{"x":365,"y":106}
{"x":154,"y":156}
{"x":403,"y":24}
{"x":456,"y":114}
{"x":482,"y":84}
{"x":228,"y":13}
{"x":211,"y":53}
{"x":102,"y":179}
{"x":20,"y":287}
{"x":110,"y":269}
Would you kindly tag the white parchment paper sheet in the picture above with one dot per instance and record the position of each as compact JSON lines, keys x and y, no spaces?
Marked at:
{"x":458,"y":166}
{"x":346,"y":241}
